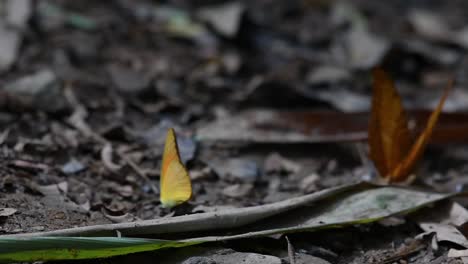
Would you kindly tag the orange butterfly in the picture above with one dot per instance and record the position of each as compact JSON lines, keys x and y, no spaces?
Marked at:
{"x":175,"y":185}
{"x":391,"y":144}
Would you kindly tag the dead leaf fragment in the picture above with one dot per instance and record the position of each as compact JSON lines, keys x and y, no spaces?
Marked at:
{"x":41,"y":89}
{"x":328,"y":74}
{"x":344,"y":99}
{"x":73,"y":166}
{"x":224,"y":18}
{"x":125,"y":190}
{"x":432,"y":26}
{"x":240,"y":169}
{"x":225,"y":256}
{"x":445,"y":232}
{"x":127,"y":80}
{"x":446,"y":220}
{"x":202,"y":174}
{"x":429,"y":25}
{"x":9,"y":41}
{"x":120,"y":218}
{"x":277,"y":163}
{"x":4,"y":212}
{"x":18,"y":12}
{"x":309,"y":183}
{"x":364,"y":48}
{"x":4,"y":135}
{"x":302,"y":258}
{"x":205,"y":209}
{"x":458,"y":214}
{"x":238,"y":190}
{"x":454,"y":253}
{"x":106,"y":157}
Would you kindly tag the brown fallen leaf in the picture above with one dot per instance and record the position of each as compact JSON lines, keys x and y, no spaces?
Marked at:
{"x":259,"y":126}
{"x":390,"y":140}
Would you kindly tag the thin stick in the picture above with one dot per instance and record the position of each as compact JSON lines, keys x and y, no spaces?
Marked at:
{"x":291,"y":253}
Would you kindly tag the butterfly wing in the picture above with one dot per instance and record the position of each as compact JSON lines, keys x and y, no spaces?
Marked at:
{"x":414,"y":155}
{"x":389,"y":136}
{"x":175,"y":184}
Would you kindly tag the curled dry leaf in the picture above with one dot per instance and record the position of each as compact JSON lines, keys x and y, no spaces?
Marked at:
{"x":120,"y":218}
{"x":445,"y":232}
{"x":390,"y":140}
{"x":106,"y":156}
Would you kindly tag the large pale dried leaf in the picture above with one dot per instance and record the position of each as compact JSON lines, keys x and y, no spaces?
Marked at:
{"x":445,"y":220}
{"x":331,"y":208}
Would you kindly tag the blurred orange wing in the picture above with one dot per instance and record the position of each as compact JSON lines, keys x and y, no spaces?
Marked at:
{"x":389,"y":136}
{"x":407,"y":165}
{"x":175,"y":185}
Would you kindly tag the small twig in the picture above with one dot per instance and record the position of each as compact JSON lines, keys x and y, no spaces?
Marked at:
{"x":29,"y":165}
{"x":410,"y":249}
{"x":291,"y":252}
{"x":77,"y":120}
{"x":361,"y":150}
{"x":138,"y":170}
{"x":4,"y":135}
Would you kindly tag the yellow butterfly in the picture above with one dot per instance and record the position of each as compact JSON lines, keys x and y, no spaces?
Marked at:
{"x":175,"y":185}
